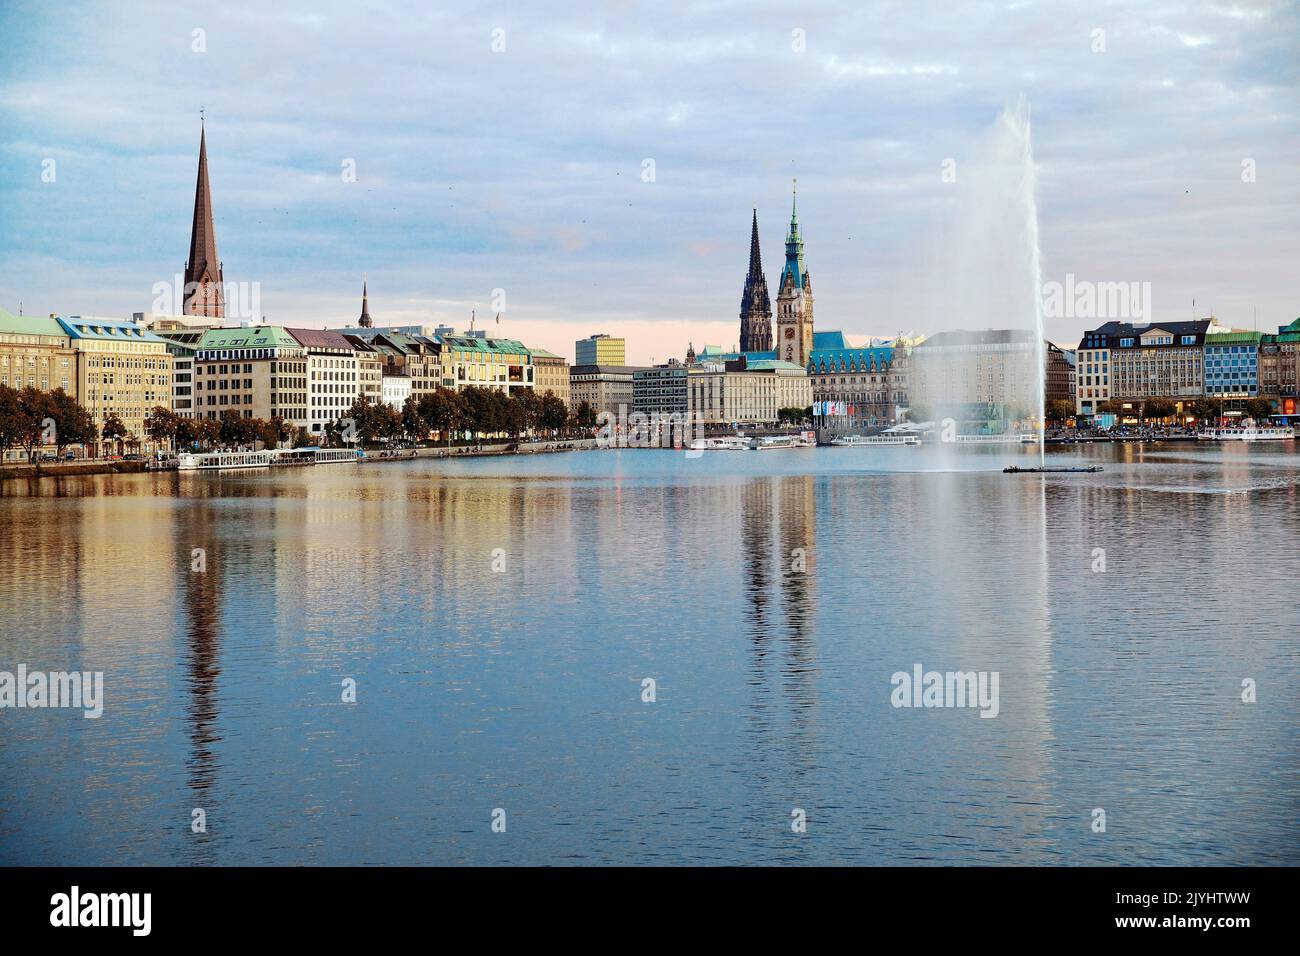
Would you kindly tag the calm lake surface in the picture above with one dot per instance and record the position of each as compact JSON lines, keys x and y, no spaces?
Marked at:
{"x":770,"y":595}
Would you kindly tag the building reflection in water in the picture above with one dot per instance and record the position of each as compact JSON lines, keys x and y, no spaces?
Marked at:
{"x":778,"y":529}
{"x":196,"y":528}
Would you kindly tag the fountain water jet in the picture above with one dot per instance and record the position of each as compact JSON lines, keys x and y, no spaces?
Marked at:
{"x":989,"y":273}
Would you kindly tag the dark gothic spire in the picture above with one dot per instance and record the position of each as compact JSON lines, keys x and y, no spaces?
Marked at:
{"x":365,"y":321}
{"x":755,"y":305}
{"x":203,"y":279}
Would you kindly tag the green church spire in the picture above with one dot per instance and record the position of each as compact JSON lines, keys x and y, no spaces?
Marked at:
{"x":794,"y":265}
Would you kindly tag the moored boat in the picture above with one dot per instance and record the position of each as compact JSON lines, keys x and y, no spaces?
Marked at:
{"x":883,"y":439}
{"x":782,"y":441}
{"x":331,"y":456}
{"x":1254,"y":433}
{"x":1009,"y":438}
{"x":224,"y":460}
{"x":730,"y":443}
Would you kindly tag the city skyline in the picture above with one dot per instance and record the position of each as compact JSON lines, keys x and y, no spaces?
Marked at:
{"x":445,"y":208}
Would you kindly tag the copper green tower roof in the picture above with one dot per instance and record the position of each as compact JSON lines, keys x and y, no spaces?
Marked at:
{"x":794,"y":264}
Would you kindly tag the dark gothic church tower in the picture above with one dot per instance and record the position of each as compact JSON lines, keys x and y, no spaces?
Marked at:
{"x":755,"y":306}
{"x":365,"y":321}
{"x":203,"y":281}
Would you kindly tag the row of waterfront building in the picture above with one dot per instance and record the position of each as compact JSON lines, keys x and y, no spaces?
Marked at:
{"x":200,"y":367}
{"x":1120,"y":363}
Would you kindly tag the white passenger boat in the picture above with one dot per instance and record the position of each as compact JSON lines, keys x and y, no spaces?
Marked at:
{"x":224,"y":460}
{"x":886,"y":439}
{"x":730,"y":443}
{"x":317,"y":456}
{"x":782,"y":441}
{"x":331,"y":456}
{"x":1257,"y":433}
{"x":295,"y":456}
{"x":1010,"y":438}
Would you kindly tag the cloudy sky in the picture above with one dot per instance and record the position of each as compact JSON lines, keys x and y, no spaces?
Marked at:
{"x":504,"y":146}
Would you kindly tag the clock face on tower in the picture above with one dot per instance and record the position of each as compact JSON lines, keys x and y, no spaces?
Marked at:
{"x":789,"y":333}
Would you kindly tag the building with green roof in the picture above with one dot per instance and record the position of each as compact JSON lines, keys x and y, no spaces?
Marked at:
{"x":257,"y":342}
{"x":123,"y":371}
{"x":502,"y":364}
{"x":257,"y":371}
{"x":35,"y":351}
{"x":1279,"y":369}
{"x":1232,"y":364}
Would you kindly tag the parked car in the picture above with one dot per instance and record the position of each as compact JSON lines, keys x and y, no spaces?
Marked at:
{"x":133,"y":458}
{"x":48,"y":457}
{"x":70,"y":456}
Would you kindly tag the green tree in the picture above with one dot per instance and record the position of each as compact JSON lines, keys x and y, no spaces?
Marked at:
{"x":514,"y":412}
{"x":363,"y":421}
{"x":1059,"y":410}
{"x":74,"y":425}
{"x":113,"y":430}
{"x":480,"y":411}
{"x":285,"y":431}
{"x":1206,"y":410}
{"x":584,"y":417}
{"x":209,"y":432}
{"x":35,"y":421}
{"x":161,"y":425}
{"x":1259,"y":409}
{"x":265,"y":431}
{"x":11,"y":418}
{"x":1158,"y":409}
{"x":390,"y":424}
{"x":554,"y":415}
{"x":530,"y":404}
{"x":236,"y":429}
{"x":443,"y":411}
{"x":187,"y":432}
{"x":413,"y":424}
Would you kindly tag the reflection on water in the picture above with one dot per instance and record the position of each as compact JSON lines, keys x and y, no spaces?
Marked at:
{"x":770,"y":596}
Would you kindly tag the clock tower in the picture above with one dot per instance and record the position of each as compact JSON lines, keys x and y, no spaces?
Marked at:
{"x":794,"y":300}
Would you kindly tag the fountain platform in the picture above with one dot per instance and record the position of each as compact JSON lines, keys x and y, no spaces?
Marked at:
{"x":1016,"y":470}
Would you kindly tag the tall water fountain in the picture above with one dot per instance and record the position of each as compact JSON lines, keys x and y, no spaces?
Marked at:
{"x":987,"y":271}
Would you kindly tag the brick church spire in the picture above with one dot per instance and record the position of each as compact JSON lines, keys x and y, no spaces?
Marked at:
{"x":755,"y":305}
{"x":203,"y":279}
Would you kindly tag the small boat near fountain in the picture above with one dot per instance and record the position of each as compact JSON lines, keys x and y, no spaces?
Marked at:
{"x":883,"y":439}
{"x":1048,"y":469}
{"x":1009,"y":438}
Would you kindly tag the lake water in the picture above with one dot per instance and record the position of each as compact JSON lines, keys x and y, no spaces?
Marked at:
{"x":769,"y":595}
